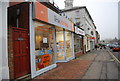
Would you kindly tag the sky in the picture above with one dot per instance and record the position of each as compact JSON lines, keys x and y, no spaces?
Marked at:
{"x":104,"y":14}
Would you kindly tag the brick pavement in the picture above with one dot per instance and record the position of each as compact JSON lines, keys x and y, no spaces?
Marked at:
{"x":73,"y":69}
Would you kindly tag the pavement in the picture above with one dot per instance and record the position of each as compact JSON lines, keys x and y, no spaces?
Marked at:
{"x":97,"y":64}
{"x":103,"y":67}
{"x":73,"y":69}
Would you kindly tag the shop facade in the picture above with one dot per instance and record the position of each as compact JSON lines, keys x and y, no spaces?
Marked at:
{"x":92,"y":43}
{"x":87,"y":43}
{"x":64,"y":44}
{"x":78,"y":41}
{"x":38,"y":39}
{"x":50,"y":39}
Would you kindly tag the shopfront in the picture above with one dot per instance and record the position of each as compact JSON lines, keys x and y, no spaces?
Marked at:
{"x":50,"y":39}
{"x":87,"y":42}
{"x":64,"y":44}
{"x":78,"y":41}
{"x":60,"y":55}
{"x":92,"y":43}
{"x":44,"y":45}
{"x":69,"y":44}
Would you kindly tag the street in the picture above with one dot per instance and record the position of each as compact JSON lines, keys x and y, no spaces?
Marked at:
{"x":116,"y":54}
{"x":54,"y":39}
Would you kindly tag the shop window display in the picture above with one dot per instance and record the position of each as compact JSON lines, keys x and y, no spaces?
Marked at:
{"x":44,"y":44}
{"x":60,"y":44}
{"x":77,"y":43}
{"x":68,"y":44}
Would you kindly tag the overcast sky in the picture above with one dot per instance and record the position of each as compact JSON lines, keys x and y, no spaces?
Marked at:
{"x":104,"y":14}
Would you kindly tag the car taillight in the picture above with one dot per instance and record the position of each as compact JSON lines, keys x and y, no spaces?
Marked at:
{"x":116,"y":48}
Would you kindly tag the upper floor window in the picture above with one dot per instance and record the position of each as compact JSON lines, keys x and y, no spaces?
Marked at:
{"x":92,"y":33}
{"x":77,"y":12}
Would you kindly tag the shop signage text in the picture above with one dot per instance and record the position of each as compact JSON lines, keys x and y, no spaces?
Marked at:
{"x":60,"y":21}
{"x":79,"y":31}
{"x":92,"y":38}
{"x":47,"y":15}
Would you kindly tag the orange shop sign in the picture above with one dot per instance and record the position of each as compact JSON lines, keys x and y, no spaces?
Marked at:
{"x":41,"y":12}
{"x":47,"y":15}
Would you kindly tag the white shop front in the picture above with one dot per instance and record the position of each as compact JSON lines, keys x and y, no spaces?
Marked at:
{"x":78,"y":41}
{"x":51,"y":39}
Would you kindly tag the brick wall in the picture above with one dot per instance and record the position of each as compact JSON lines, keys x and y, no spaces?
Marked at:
{"x":78,"y":54}
{"x":10,"y":53}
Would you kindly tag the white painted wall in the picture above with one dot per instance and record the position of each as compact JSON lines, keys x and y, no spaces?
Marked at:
{"x":0,"y":41}
{"x":5,"y":69}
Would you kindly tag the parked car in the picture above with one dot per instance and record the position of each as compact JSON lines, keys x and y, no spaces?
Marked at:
{"x":112,"y":46}
{"x":116,"y":48}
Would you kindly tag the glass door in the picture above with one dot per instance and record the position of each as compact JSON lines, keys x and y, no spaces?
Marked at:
{"x":69,"y":50}
{"x":60,"y":44}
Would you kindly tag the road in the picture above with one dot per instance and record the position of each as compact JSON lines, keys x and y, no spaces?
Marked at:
{"x":116,"y":54}
{"x":103,"y":67}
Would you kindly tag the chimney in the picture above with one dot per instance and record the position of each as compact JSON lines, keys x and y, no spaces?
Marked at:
{"x":68,"y":4}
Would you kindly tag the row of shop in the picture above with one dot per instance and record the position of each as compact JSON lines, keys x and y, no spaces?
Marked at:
{"x":38,"y":38}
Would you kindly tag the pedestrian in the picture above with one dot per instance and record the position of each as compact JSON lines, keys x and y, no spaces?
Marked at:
{"x":96,"y":47}
{"x":104,"y":47}
{"x":101,"y":47}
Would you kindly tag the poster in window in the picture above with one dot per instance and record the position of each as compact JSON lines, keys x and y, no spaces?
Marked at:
{"x":44,"y":40}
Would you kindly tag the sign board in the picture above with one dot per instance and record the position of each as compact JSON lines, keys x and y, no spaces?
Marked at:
{"x":46,"y":59}
{"x":47,"y":15}
{"x":92,"y":38}
{"x":60,"y":21}
{"x":20,"y":38}
{"x":41,"y":12}
{"x":79,"y":31}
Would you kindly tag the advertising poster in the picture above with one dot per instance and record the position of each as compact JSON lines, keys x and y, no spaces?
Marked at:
{"x":43,"y":58}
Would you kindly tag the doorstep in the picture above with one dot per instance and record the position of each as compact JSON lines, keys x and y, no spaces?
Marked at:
{"x":25,"y":77}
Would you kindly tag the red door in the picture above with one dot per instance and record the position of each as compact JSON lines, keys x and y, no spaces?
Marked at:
{"x":21,"y":52}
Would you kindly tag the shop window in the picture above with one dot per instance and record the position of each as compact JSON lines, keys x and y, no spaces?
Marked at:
{"x":60,"y":44}
{"x":68,"y":44}
{"x":44,"y":45}
{"x":92,"y":33}
{"x":77,"y":43}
